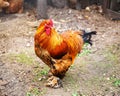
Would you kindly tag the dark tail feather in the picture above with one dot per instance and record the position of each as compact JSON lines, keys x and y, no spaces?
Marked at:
{"x":87,"y":36}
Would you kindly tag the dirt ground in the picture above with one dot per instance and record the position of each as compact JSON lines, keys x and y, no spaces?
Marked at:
{"x":95,"y":71}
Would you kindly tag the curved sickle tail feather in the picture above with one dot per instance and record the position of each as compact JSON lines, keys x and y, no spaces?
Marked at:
{"x":87,"y":36}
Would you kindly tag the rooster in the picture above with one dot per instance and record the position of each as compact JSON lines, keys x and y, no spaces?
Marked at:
{"x":15,"y":6}
{"x":57,"y":50}
{"x":3,"y":4}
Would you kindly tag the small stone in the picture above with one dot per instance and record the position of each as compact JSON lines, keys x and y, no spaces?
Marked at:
{"x":28,"y":45}
{"x":40,"y":79}
{"x":108,"y":78}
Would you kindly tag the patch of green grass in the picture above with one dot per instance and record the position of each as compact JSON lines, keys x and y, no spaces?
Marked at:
{"x":75,"y":94}
{"x":35,"y":92}
{"x":28,"y":94}
{"x":44,"y":72}
{"x":24,"y":58}
{"x":40,"y":72}
{"x":85,"y":50}
{"x":115,"y":81}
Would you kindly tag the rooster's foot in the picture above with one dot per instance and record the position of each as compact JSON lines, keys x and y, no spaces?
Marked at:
{"x":54,"y":82}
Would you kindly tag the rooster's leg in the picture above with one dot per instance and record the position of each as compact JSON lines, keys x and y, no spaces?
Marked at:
{"x":54,"y":82}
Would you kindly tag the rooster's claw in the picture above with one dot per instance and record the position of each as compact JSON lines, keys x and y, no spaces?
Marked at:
{"x":54,"y":82}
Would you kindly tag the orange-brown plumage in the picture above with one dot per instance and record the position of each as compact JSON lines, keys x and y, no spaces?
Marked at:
{"x":58,"y":44}
{"x":15,"y":6}
{"x":60,"y":47}
{"x":58,"y":51}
